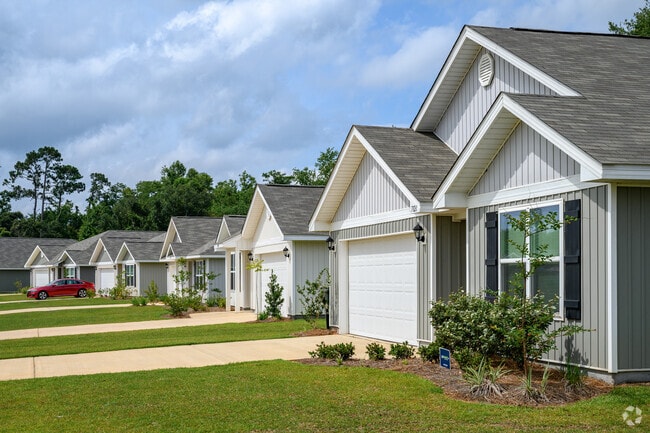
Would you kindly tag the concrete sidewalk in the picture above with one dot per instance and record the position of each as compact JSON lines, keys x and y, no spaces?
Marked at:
{"x":196,"y":319}
{"x":199,"y":355}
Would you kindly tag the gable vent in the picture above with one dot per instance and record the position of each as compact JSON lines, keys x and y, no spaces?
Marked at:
{"x":486,"y":70}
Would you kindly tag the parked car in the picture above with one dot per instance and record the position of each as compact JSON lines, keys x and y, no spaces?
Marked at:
{"x":62,"y":287}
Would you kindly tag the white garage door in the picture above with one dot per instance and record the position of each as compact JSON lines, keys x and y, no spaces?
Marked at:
{"x":41,"y":277}
{"x":106,"y":279}
{"x":383,"y":288}
{"x":278,"y":263}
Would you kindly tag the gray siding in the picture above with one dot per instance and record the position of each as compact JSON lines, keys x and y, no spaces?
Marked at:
{"x":525,"y":158}
{"x":371,"y":192}
{"x":309,"y":259}
{"x":589,"y":348}
{"x":218,"y":266}
{"x":423,"y":264}
{"x":86,"y":273}
{"x":155,"y":272}
{"x":8,"y":279}
{"x":633,"y":258}
{"x":450,"y":256}
{"x":472,"y":101}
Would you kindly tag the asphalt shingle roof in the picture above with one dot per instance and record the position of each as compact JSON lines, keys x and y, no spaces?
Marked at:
{"x":196,"y":234}
{"x":14,"y":252}
{"x":611,"y":119}
{"x":81,"y":252}
{"x":292,"y":206}
{"x":145,"y":251}
{"x":421,"y":161}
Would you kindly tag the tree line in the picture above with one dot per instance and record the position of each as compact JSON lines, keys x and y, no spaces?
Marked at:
{"x":47,"y":183}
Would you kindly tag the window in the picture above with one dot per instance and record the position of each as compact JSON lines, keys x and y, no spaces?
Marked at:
{"x":232,"y":271}
{"x":129,"y":275}
{"x":69,"y":273}
{"x":199,"y":274}
{"x":547,"y":279}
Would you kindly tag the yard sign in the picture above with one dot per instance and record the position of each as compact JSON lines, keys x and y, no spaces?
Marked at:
{"x":445,"y":358}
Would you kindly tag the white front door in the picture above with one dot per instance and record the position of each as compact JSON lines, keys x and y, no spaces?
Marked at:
{"x":382,"y":281}
{"x":106,"y":279}
{"x":277,"y":263}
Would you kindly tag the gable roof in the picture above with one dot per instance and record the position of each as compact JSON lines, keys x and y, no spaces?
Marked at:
{"x":141,"y":251}
{"x":290,"y":205}
{"x":416,"y":161}
{"x":14,"y":252}
{"x":82,"y":252}
{"x":191,"y":236}
{"x":600,"y":81}
{"x":112,"y":242}
{"x":49,"y":248}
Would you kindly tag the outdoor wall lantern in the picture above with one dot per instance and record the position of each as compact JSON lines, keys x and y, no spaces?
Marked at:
{"x":419,"y":232}
{"x":286,"y":252}
{"x":330,"y":243}
{"x":250,"y":256}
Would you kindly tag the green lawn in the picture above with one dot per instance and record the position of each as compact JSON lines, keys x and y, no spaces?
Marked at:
{"x":12,"y":297}
{"x":49,"y":319}
{"x":149,"y":338}
{"x":58,"y":302}
{"x":280,"y":396}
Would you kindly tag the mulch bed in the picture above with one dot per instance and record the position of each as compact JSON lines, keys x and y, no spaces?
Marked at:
{"x":453,"y":385}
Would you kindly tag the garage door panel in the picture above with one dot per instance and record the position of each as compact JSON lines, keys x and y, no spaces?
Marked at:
{"x":41,"y":277}
{"x":383,"y":288}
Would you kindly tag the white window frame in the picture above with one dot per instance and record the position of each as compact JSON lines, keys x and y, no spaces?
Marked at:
{"x":555,"y":259}
{"x":68,"y":274}
{"x":128,"y":276}
{"x":233,"y":271}
{"x":199,"y":272}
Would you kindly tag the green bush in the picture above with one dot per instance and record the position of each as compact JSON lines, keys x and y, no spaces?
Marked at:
{"x":483,"y":378}
{"x":467,"y":358}
{"x":120,"y":291}
{"x":430,"y":353}
{"x":376,"y":351}
{"x":262,"y":316}
{"x":221,"y":302}
{"x":338,"y":352}
{"x":401,"y":351}
{"x":574,"y":376}
{"x":152,"y":292}
{"x":273,"y":297}
{"x":139,"y":301}
{"x":20,"y":288}
{"x":313,"y":297}
{"x":90,"y":293}
{"x":177,"y":305}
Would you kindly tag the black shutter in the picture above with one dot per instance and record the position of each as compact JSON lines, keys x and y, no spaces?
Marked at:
{"x":572,"y":285}
{"x":491,"y":255}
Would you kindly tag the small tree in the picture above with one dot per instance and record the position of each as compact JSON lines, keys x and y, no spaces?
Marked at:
{"x":313,"y":297}
{"x":273,"y":297}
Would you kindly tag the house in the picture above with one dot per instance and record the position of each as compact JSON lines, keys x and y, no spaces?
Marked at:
{"x":383,"y":278}
{"x":227,"y":238}
{"x":191,"y":240}
{"x":276,"y":233}
{"x":141,"y":265}
{"x":105,"y":259}
{"x":14,"y":253}
{"x":539,"y":120}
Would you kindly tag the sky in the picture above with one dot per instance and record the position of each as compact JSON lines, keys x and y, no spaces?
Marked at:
{"x":126,"y":87}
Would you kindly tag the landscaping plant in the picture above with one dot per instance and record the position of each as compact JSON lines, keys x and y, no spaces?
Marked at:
{"x":401,"y":351}
{"x":338,"y":352}
{"x":375,"y":351}
{"x":152,"y":292}
{"x":430,"y":353}
{"x":273,"y":297}
{"x":313,"y":297}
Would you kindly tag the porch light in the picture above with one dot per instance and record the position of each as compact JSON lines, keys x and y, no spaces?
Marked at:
{"x":286,"y":252}
{"x":250,"y":256}
{"x":419,"y":232}
{"x":330,"y":243}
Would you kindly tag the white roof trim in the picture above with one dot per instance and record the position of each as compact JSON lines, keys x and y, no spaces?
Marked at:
{"x":250,"y":226}
{"x":589,"y":167}
{"x":36,"y":253}
{"x":97,"y":251}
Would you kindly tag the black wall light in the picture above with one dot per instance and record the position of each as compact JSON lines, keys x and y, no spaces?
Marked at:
{"x":418,"y":231}
{"x":250,"y":256}
{"x":286,"y":252}
{"x":330,"y":243}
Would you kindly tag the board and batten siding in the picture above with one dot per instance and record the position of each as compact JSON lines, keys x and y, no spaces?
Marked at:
{"x":371,"y":192}
{"x":526,"y":158}
{"x":9,"y":277}
{"x":633,"y":277}
{"x":149,"y":272}
{"x":450,"y":256}
{"x":588,"y":348}
{"x":423,"y":265}
{"x":218,"y":267}
{"x":310,"y":257}
{"x":472,"y":101}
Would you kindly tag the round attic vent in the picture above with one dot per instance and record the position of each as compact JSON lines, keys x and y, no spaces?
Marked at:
{"x":486,"y":70}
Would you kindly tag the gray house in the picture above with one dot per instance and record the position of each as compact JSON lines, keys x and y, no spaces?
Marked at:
{"x":227,"y":238}
{"x":553,"y":122}
{"x":139,"y":261}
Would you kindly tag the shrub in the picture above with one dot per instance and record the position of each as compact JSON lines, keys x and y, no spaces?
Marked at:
{"x":467,"y":358}
{"x":90,"y":293}
{"x":338,"y":352}
{"x":483,"y":379}
{"x":152,"y":292}
{"x":574,"y":376}
{"x":120,"y":291}
{"x":177,"y":305}
{"x":376,"y":351}
{"x":139,"y":301}
{"x":273,"y":297}
{"x":313,"y":297}
{"x":262,"y":316}
{"x":430,"y":353}
{"x":401,"y":351}
{"x":20,"y":288}
{"x":221,"y":302}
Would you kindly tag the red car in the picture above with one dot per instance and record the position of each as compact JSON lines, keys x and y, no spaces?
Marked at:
{"x":62,"y":287}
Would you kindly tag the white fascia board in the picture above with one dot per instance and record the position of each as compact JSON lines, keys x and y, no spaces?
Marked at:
{"x":451,"y":200}
{"x":413,"y":201}
{"x":626,"y":172}
{"x":319,"y":226}
{"x":267,"y":242}
{"x":62,"y":259}
{"x":442,"y":76}
{"x":33,"y":256}
{"x":548,"y":81}
{"x":123,"y":250}
{"x":334,"y":177}
{"x":557,"y":186}
{"x":305,"y":237}
{"x":255,"y":211}
{"x":99,"y":246}
{"x":169,"y":236}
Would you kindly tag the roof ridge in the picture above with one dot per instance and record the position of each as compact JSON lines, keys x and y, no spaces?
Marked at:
{"x":563,"y":32}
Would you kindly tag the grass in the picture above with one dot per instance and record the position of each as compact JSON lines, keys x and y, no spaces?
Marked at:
{"x":5,"y":297}
{"x":58,"y":302}
{"x":284,"y":396}
{"x":149,"y":338}
{"x":49,"y":319}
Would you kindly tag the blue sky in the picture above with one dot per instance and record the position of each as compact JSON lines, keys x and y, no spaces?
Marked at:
{"x":125,"y":87}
